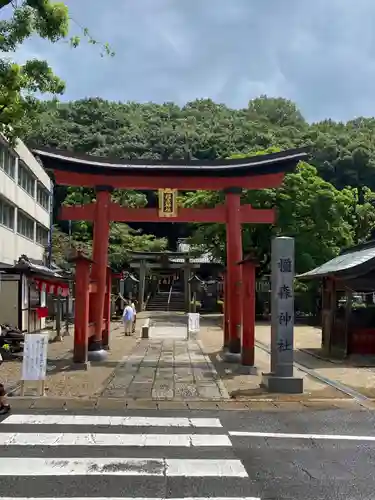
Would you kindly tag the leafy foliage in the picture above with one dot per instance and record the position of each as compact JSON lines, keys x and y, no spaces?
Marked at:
{"x":310,"y":209}
{"x":326,"y":204}
{"x":19,"y":107}
{"x":122,"y":238}
{"x":64,"y":247}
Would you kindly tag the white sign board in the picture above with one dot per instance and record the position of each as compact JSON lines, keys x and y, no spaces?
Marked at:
{"x":193,"y":322}
{"x":34,"y":365}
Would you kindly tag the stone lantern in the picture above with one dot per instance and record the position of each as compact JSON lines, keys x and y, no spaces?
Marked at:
{"x":195,"y":287}
{"x":128,"y":285}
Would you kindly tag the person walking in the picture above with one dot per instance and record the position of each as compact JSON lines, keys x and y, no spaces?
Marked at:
{"x":134,"y":307}
{"x":127,"y":319}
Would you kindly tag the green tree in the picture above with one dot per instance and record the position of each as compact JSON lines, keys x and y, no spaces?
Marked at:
{"x":313,"y":211}
{"x":64,"y":247}
{"x":343,"y":155}
{"x":122,"y":239}
{"x":19,"y":83}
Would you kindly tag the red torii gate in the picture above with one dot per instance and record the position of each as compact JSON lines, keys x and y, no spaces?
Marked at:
{"x":231,"y":176}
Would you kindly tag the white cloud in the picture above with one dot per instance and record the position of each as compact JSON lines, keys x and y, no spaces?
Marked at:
{"x":320,"y":53}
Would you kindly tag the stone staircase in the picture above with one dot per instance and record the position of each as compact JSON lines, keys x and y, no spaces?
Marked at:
{"x":160,"y":302}
{"x":177,"y":302}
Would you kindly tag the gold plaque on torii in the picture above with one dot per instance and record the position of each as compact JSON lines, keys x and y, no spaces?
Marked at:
{"x":167,"y":202}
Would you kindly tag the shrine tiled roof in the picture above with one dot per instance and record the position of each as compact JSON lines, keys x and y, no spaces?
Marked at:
{"x":282,"y":161}
{"x":185,"y":248}
{"x":353,"y":262}
{"x":205,"y":258}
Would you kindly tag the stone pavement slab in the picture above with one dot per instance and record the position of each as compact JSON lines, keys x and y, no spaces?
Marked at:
{"x":168,"y":331}
{"x":166,"y":370}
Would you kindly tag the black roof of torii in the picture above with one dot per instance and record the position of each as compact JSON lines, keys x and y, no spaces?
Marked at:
{"x":283,"y":161}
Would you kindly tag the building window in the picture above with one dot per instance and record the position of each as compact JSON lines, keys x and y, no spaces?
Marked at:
{"x":25,"y":179}
{"x":25,"y":225}
{"x":42,"y":196}
{"x":6,"y":214}
{"x":41,"y":235}
{"x":7,"y":161}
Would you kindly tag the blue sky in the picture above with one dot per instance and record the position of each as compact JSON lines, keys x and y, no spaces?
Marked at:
{"x":319,"y":53}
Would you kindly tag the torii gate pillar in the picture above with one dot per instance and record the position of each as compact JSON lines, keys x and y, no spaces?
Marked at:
{"x":248,"y":266}
{"x":99,"y":267}
{"x":233,"y":274}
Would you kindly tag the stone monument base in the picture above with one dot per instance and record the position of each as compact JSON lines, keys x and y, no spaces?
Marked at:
{"x":247,"y":370}
{"x":231,"y":357}
{"x":81,"y":366}
{"x":95,"y":351}
{"x":283,"y":385}
{"x":99,"y":355}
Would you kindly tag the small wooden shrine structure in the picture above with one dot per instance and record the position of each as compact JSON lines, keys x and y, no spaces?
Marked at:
{"x":231,"y":176}
{"x":348,"y":301}
{"x":23,"y":293}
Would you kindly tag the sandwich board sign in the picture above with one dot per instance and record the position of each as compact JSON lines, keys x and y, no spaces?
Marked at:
{"x":34,"y":364}
{"x":193,"y":325}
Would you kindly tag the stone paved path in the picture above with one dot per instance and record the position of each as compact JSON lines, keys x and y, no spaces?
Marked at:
{"x":167,"y":369}
{"x":168,"y":332}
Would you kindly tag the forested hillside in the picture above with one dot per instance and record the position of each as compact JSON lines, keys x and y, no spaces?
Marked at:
{"x":327,"y":204}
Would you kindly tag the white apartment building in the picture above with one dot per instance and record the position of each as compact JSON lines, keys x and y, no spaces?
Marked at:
{"x":25,"y":197}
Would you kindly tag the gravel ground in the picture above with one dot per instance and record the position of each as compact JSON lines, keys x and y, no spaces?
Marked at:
{"x":242,"y":386}
{"x":65,"y":381}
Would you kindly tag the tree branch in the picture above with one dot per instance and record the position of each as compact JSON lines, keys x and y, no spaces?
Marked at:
{"x":4,"y":3}
{"x":2,"y":107}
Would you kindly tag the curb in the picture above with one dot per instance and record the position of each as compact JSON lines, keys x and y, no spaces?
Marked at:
{"x":145,"y":329}
{"x":101,"y":404}
{"x":321,"y":358}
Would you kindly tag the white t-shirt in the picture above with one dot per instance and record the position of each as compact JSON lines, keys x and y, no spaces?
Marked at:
{"x":128,"y":314}
{"x":134,"y":309}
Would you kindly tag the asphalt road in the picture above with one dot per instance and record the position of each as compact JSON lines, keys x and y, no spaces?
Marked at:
{"x":154,"y":454}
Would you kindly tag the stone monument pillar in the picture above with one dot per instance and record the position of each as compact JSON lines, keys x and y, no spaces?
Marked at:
{"x":141,"y":285}
{"x":281,"y":379}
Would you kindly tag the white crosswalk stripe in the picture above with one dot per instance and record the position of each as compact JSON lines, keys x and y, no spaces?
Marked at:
{"x":120,"y":467}
{"x":39,"y":451}
{"x":113,"y":421}
{"x":72,"y":439}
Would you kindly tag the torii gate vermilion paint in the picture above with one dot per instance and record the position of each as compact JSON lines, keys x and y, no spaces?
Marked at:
{"x":230,"y":176}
